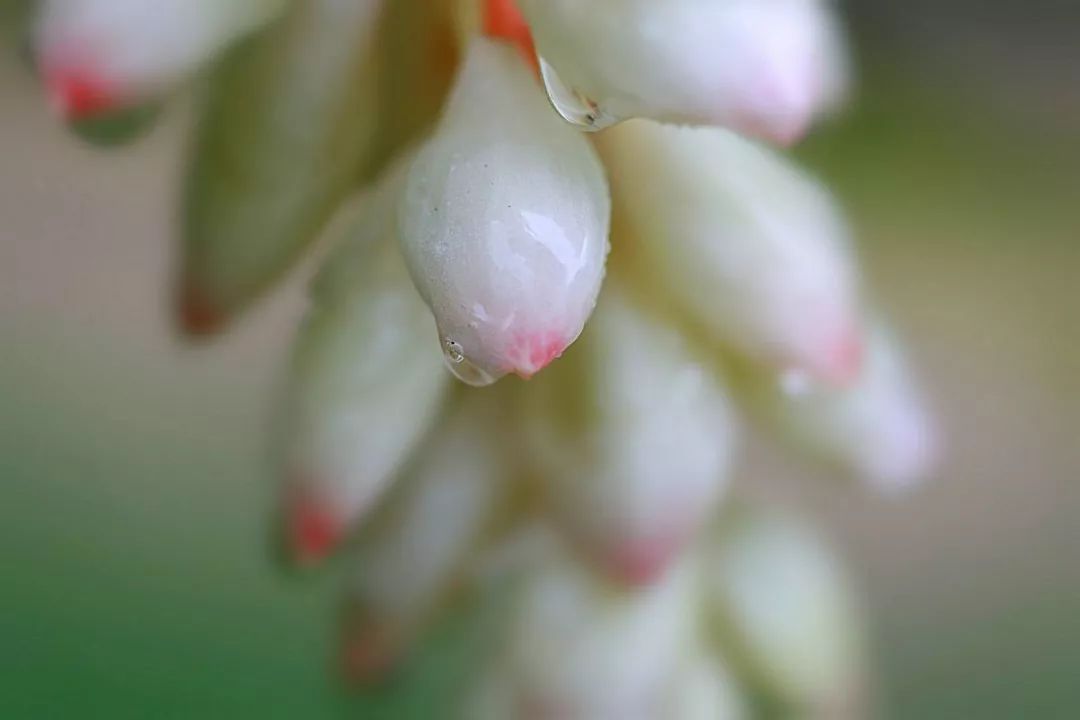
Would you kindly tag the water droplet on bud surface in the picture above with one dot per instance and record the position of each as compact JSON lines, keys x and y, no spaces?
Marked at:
{"x":463,"y":368}
{"x":574,"y":107}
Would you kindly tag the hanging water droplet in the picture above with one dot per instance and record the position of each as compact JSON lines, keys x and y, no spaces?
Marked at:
{"x":574,"y":107}
{"x":463,"y":368}
{"x":797,"y":383}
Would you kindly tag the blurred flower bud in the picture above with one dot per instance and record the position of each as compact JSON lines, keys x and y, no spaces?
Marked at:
{"x":879,"y":429}
{"x":362,"y":389}
{"x":754,"y":250}
{"x":785,"y":615}
{"x":762,"y":67}
{"x":504,"y":222}
{"x":633,"y":437}
{"x":704,"y":690}
{"x":99,"y":56}
{"x":417,"y":549}
{"x":574,"y":647}
{"x":289,"y":120}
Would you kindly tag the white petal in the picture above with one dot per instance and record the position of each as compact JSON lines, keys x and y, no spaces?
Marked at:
{"x":363,"y":388}
{"x":756,"y":251}
{"x":505,"y":222}
{"x":633,"y":437}
{"x":420,"y":543}
{"x":132,"y":50}
{"x":880,"y":428}
{"x":778,"y":595}
{"x":762,"y":67}
{"x":575,"y":647}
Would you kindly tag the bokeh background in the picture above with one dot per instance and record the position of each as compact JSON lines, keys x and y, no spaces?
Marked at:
{"x":135,"y":579}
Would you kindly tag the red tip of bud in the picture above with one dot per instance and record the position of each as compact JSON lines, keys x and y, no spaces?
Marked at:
{"x":78,"y":94}
{"x":196,"y":314}
{"x":642,"y":562}
{"x":532,"y":353}
{"x":368,"y":653}
{"x":313,"y":531}
{"x":842,"y":362}
{"x":503,"y":20}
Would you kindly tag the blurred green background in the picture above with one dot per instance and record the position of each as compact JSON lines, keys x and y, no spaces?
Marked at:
{"x":135,"y":579}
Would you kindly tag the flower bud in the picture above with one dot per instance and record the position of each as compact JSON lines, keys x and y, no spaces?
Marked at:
{"x":704,"y":690}
{"x":765,"y":68}
{"x":504,"y":222}
{"x":777,"y":595}
{"x":418,"y":547}
{"x":756,"y":252}
{"x":362,"y":390}
{"x":575,"y":647}
{"x":289,"y":121}
{"x":99,"y":56}
{"x":633,"y":438}
{"x":880,"y":428}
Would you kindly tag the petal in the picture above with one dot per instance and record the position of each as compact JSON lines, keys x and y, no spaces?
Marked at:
{"x":362,"y":390}
{"x":880,"y":429}
{"x":633,"y":437}
{"x":285,"y":133}
{"x":418,"y":549}
{"x":505,"y":222}
{"x":98,"y":56}
{"x":754,"y":250}
{"x":776,"y":594}
{"x":575,"y":647}
{"x":762,"y":67}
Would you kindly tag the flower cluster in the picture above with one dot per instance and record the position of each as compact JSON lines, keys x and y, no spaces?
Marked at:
{"x":482,"y":158}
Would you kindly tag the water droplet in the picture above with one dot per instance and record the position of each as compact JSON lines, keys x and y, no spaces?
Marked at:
{"x":574,"y":107}
{"x":463,"y":368}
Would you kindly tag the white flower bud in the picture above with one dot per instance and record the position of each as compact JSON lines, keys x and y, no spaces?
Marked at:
{"x":762,"y":67}
{"x":101,"y":55}
{"x":418,"y":546}
{"x":704,"y":690}
{"x":633,"y":438}
{"x":505,"y":222}
{"x":776,"y":593}
{"x":575,"y":647}
{"x":880,"y":428}
{"x":363,"y":389}
{"x":754,"y":250}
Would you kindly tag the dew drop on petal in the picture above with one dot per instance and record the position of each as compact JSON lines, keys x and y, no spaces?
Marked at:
{"x":462,"y":368}
{"x":574,"y":107}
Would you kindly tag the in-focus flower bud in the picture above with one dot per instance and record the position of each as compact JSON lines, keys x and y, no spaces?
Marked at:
{"x":761,"y":67}
{"x":777,"y":595}
{"x":574,"y":647}
{"x":880,"y":428}
{"x":754,"y":250}
{"x":99,"y":56}
{"x":633,"y":437}
{"x":417,"y":550}
{"x":363,"y":391}
{"x":289,"y":120}
{"x":505,"y":222}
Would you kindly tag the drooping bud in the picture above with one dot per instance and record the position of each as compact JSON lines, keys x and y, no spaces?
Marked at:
{"x":879,"y":429}
{"x":575,"y":647}
{"x":765,"y":68}
{"x":754,"y":250}
{"x":633,"y":437}
{"x":289,"y":119}
{"x":416,"y":553}
{"x":100,"y":56}
{"x":363,"y":391}
{"x":776,"y":593}
{"x":504,"y":222}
